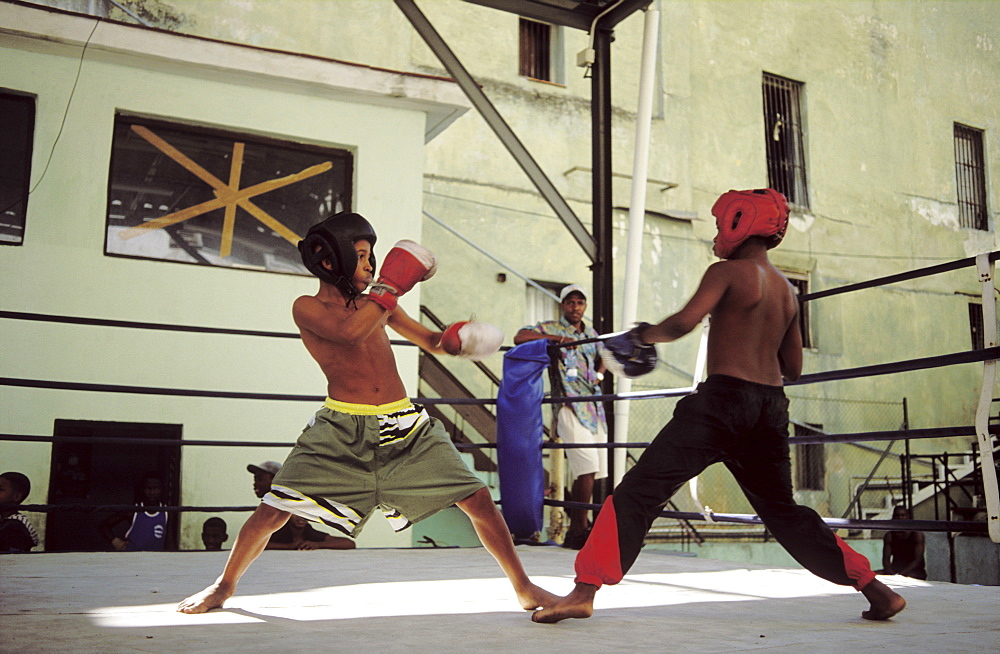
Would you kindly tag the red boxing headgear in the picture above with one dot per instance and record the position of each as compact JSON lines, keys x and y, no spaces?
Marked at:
{"x":742,"y":214}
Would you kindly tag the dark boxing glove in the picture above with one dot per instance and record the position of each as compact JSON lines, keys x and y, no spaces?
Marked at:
{"x":406,"y":264}
{"x":627,"y":356}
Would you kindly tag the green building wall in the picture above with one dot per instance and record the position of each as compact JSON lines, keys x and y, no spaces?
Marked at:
{"x":884,"y":84}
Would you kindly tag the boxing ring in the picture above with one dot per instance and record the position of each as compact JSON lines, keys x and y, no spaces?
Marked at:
{"x":522,"y":500}
{"x":417,"y":588}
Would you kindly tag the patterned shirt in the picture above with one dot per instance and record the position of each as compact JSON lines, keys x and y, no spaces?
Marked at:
{"x":17,"y":534}
{"x":578,"y":368}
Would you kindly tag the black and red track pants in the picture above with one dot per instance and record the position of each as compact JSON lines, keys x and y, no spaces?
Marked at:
{"x":745,"y":426}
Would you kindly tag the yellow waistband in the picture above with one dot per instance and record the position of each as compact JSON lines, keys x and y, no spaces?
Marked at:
{"x":367,"y":409}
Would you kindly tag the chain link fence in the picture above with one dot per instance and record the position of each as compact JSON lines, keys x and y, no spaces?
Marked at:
{"x":859,"y":480}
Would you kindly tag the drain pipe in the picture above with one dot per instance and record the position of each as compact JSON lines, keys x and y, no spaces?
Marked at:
{"x":636,"y":218}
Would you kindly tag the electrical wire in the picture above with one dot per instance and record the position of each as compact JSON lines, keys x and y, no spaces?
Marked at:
{"x":62,"y":124}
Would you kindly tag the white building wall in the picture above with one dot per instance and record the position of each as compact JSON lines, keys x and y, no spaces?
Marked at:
{"x":61,"y":269}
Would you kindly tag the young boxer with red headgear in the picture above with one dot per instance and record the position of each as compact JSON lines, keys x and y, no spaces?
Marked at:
{"x":369,"y":448}
{"x":738,"y":416}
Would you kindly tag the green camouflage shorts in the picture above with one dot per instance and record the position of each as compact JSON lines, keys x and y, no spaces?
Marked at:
{"x":353,"y":458}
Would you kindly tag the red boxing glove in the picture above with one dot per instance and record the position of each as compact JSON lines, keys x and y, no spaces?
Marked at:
{"x":406,"y":264}
{"x":471,"y":340}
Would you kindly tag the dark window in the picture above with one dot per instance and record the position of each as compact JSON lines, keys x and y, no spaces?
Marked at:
{"x":17,"y":131}
{"x":970,"y":177}
{"x":976,"y":325}
{"x":810,"y":461}
{"x":91,"y":467}
{"x":536,"y":50}
{"x":783,"y":128}
{"x":801,"y":285}
{"x":191,"y":195}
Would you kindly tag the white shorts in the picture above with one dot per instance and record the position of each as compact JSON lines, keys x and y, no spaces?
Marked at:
{"x":584,"y":460}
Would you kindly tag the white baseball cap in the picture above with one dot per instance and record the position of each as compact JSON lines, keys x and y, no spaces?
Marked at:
{"x":268,"y":467}
{"x":571,"y":288}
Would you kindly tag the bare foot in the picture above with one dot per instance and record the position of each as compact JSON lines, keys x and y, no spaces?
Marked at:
{"x":212,"y":597}
{"x":534,"y":597}
{"x":578,"y":604}
{"x":885,"y":602}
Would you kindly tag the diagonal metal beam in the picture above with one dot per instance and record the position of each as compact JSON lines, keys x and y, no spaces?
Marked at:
{"x":498,"y":125}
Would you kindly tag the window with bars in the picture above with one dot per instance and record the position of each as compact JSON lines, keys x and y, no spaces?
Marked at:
{"x":538,"y":305}
{"x":535,"y":59}
{"x":810,"y":461}
{"x":783,"y":128}
{"x":801,"y":284}
{"x":970,"y":177}
{"x":976,"y":325}
{"x":17,"y":132}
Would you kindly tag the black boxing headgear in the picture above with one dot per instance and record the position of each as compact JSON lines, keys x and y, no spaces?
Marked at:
{"x":742,"y":214}
{"x":333,"y":240}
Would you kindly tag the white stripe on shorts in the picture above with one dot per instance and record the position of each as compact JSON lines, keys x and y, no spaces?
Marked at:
{"x":396,"y":426}
{"x":334,"y":514}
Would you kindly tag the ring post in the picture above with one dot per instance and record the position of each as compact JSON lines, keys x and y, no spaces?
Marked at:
{"x":986,"y":461}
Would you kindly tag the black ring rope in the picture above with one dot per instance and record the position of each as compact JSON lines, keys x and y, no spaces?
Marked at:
{"x":130,"y":508}
{"x":149,"y":390}
{"x":971,"y":356}
{"x":833,"y":523}
{"x":900,"y":277}
{"x":129,"y":324}
{"x":158,"y":326}
{"x":162,"y":442}
{"x":814,"y":439}
{"x":847,"y":288}
{"x":190,"y":392}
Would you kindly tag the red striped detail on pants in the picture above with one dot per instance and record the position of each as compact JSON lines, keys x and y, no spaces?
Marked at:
{"x":599,"y":561}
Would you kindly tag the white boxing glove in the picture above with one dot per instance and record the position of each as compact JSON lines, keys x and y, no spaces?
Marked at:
{"x":473,"y":340}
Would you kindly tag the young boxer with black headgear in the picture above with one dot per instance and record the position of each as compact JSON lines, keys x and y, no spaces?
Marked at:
{"x":369,"y":448}
{"x":328,"y":250}
{"x":738,"y":416}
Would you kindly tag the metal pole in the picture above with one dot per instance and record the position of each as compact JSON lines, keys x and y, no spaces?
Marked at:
{"x":905,"y":462}
{"x":602,"y":208}
{"x":636,"y":217}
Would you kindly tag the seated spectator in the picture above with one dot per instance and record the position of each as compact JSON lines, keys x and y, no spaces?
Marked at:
{"x":903,"y":551}
{"x":16,"y":533}
{"x":213,"y":533}
{"x":298,"y":534}
{"x":262,"y":476}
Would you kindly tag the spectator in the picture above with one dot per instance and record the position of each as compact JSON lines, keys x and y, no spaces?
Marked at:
{"x":581,"y":371}
{"x":16,"y":533}
{"x":213,"y":533}
{"x":298,"y":534}
{"x":903,"y":551}
{"x":263,"y":475}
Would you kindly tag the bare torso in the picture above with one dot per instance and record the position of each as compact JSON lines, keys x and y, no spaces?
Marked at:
{"x":750,"y":322}
{"x":754,"y":334}
{"x":359,"y":369}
